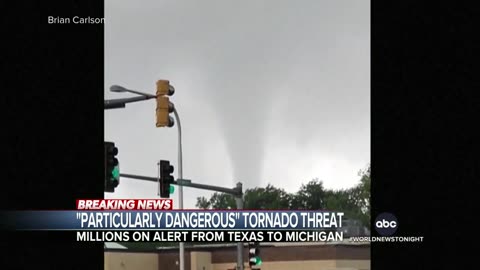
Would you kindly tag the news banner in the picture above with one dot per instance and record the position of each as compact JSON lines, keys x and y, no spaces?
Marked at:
{"x":154,"y":220}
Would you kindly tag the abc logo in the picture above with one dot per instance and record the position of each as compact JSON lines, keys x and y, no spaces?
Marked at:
{"x":386,"y":224}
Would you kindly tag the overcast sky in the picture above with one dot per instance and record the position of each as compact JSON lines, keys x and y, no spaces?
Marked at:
{"x":267,"y":91}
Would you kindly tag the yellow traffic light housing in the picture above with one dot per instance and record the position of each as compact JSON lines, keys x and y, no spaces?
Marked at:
{"x":164,"y":106}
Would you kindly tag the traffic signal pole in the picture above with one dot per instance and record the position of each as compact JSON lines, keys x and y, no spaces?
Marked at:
{"x":180,"y":190}
{"x":188,"y":183}
{"x":164,"y":108}
{"x":236,"y":191}
{"x":239,"y":201}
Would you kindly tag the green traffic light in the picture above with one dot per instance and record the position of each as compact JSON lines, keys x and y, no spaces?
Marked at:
{"x":172,"y":189}
{"x":116,"y":172}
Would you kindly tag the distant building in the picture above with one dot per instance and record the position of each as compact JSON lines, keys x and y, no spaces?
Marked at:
{"x":353,"y":227}
{"x":276,"y":256}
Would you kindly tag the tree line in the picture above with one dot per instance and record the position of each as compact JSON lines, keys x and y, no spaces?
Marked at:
{"x":354,"y":201}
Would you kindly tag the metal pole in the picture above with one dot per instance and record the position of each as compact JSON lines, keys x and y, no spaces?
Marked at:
{"x":180,"y":188}
{"x":231,"y":191}
{"x":239,"y":201}
{"x":237,"y":192}
{"x":159,"y":175}
{"x":121,"y":103}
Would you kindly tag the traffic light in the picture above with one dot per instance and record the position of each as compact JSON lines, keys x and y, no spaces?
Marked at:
{"x":254,"y":254}
{"x":166,"y":179}
{"x":112,"y":167}
{"x":164,"y":106}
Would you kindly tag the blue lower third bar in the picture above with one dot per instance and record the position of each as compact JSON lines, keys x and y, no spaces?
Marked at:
{"x":177,"y":220}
